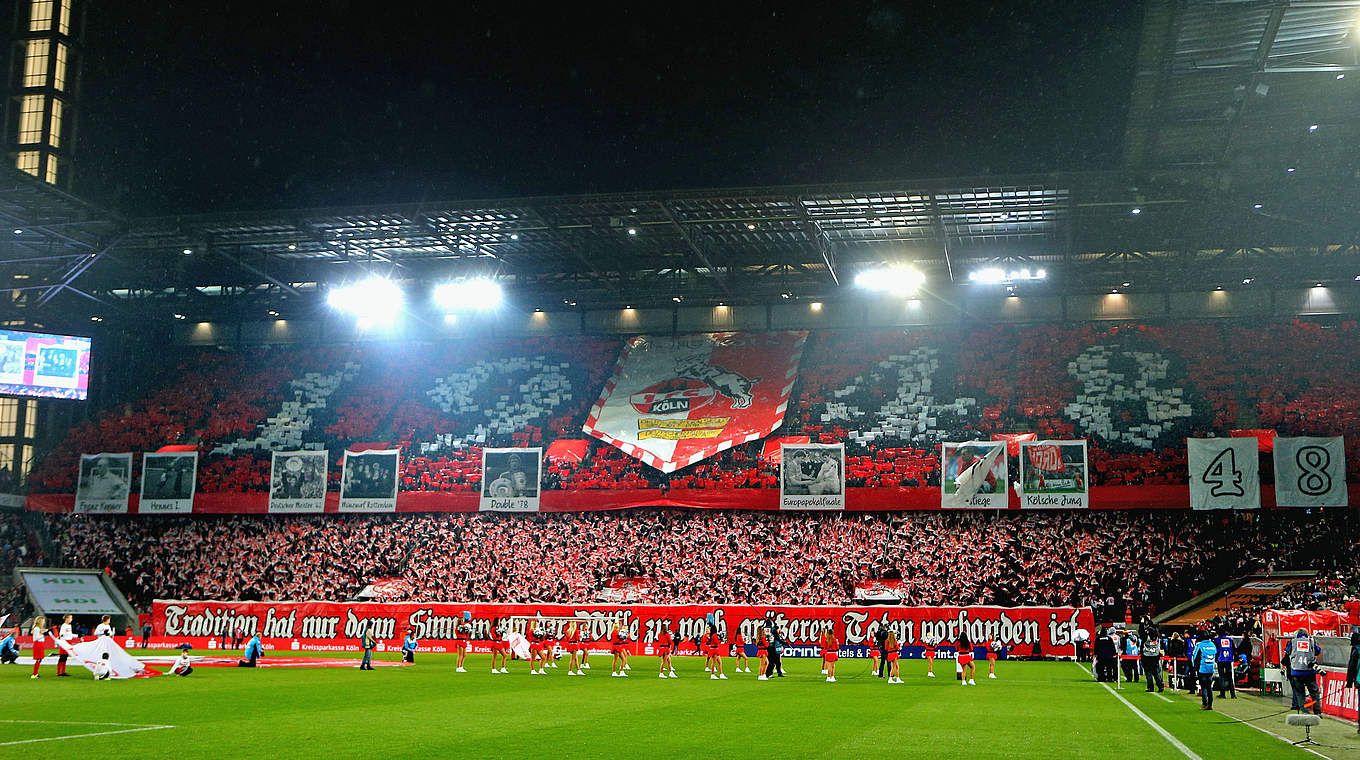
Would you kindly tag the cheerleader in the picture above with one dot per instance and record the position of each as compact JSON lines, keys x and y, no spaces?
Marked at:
{"x":39,"y":634}
{"x":831,"y":652}
{"x":663,"y":648}
{"x":537,"y":659}
{"x":551,"y":642}
{"x":462,"y":639}
{"x":873,"y":657}
{"x":893,"y":652}
{"x":994,"y":649}
{"x":500,"y":649}
{"x":762,"y":660}
{"x":969,"y":670}
{"x":714,"y":647}
{"x":739,"y":648}
{"x":571,"y":641}
{"x":616,"y":648}
{"x":929,"y":654}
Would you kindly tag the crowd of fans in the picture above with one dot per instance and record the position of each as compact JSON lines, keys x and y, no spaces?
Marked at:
{"x":1115,"y":561}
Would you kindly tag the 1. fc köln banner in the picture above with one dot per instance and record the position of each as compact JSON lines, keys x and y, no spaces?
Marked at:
{"x":675,"y":401}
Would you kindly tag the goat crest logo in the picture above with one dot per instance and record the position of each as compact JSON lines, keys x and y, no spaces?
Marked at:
{"x":734,"y":386}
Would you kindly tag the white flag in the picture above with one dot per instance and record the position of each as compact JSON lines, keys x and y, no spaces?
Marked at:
{"x":1310,"y":472}
{"x":1224,"y":473}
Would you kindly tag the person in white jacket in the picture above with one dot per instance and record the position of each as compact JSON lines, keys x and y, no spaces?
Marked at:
{"x":183,"y":666}
{"x":66,"y":635}
{"x":102,"y":670}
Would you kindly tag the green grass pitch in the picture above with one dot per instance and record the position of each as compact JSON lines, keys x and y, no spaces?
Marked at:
{"x":1033,"y":710}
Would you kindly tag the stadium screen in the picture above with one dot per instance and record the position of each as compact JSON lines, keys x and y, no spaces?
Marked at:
{"x":37,"y":364}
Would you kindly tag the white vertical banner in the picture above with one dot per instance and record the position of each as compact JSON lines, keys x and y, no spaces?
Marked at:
{"x":511,"y":480}
{"x":1053,"y":475}
{"x":1310,"y":472}
{"x":168,"y":483}
{"x":368,"y":482}
{"x":297,"y":481}
{"x":973,"y":475}
{"x":812,"y":476}
{"x":104,"y":483}
{"x":1224,"y":473}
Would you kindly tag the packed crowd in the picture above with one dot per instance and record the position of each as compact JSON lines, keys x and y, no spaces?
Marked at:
{"x":442,"y":403}
{"x":1113,"y":561}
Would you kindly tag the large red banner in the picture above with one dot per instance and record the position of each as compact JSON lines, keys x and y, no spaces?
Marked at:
{"x":674,"y":401}
{"x":334,"y":626}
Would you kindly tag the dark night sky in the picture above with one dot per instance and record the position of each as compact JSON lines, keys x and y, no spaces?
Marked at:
{"x":192,"y":106}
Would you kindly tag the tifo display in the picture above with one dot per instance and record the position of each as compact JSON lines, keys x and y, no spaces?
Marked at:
{"x":1123,"y":417}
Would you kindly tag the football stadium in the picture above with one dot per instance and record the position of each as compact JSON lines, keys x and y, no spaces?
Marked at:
{"x":368,"y":389}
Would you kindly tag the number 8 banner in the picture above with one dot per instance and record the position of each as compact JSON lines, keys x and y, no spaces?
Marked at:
{"x":1224,"y":473}
{"x":1310,"y":472}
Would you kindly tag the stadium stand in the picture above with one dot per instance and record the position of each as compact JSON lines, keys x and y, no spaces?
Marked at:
{"x":1114,"y":561}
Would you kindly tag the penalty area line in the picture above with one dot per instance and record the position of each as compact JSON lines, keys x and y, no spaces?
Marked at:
{"x":1177,"y":743}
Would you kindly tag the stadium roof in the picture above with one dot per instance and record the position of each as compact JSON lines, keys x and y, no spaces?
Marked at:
{"x":744,"y":245}
{"x":1225,"y":179}
{"x":1244,"y":91}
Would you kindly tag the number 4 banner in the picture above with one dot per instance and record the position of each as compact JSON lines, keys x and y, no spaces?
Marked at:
{"x":1224,"y":473}
{"x":1310,"y":472}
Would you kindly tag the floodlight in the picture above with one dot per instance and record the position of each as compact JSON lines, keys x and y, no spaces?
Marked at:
{"x":376,"y":300}
{"x":476,"y":293}
{"x":897,"y":280}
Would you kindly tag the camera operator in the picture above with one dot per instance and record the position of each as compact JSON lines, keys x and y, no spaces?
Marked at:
{"x":1151,"y":654}
{"x":1302,"y":655}
{"x":774,"y":644}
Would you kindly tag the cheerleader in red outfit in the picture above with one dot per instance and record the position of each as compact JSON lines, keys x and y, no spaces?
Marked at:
{"x":550,"y":649}
{"x":714,"y":647}
{"x":831,"y":652}
{"x":616,"y":648}
{"x":462,"y":639}
{"x":966,"y":659}
{"x":537,"y":659}
{"x":571,"y":641}
{"x":929,"y":654}
{"x":993,"y":650}
{"x":892,"y":653}
{"x":762,"y":660}
{"x":500,"y":649}
{"x":664,"y":642}
{"x":739,"y":647}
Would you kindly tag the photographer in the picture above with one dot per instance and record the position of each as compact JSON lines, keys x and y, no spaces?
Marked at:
{"x":774,"y":643}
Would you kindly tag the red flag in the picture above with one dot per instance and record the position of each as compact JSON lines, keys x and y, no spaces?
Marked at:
{"x":1013,"y":441}
{"x":1047,"y":458}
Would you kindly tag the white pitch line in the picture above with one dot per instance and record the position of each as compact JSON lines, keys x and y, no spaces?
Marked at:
{"x":138,"y":727}
{"x":1164,"y":699}
{"x":1177,"y":743}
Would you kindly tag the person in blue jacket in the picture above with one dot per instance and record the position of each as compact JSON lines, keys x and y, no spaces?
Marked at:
{"x":254,"y":651}
{"x":9,"y":648}
{"x":1227,"y":654}
{"x":1204,"y":659}
{"x":408,"y":646}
